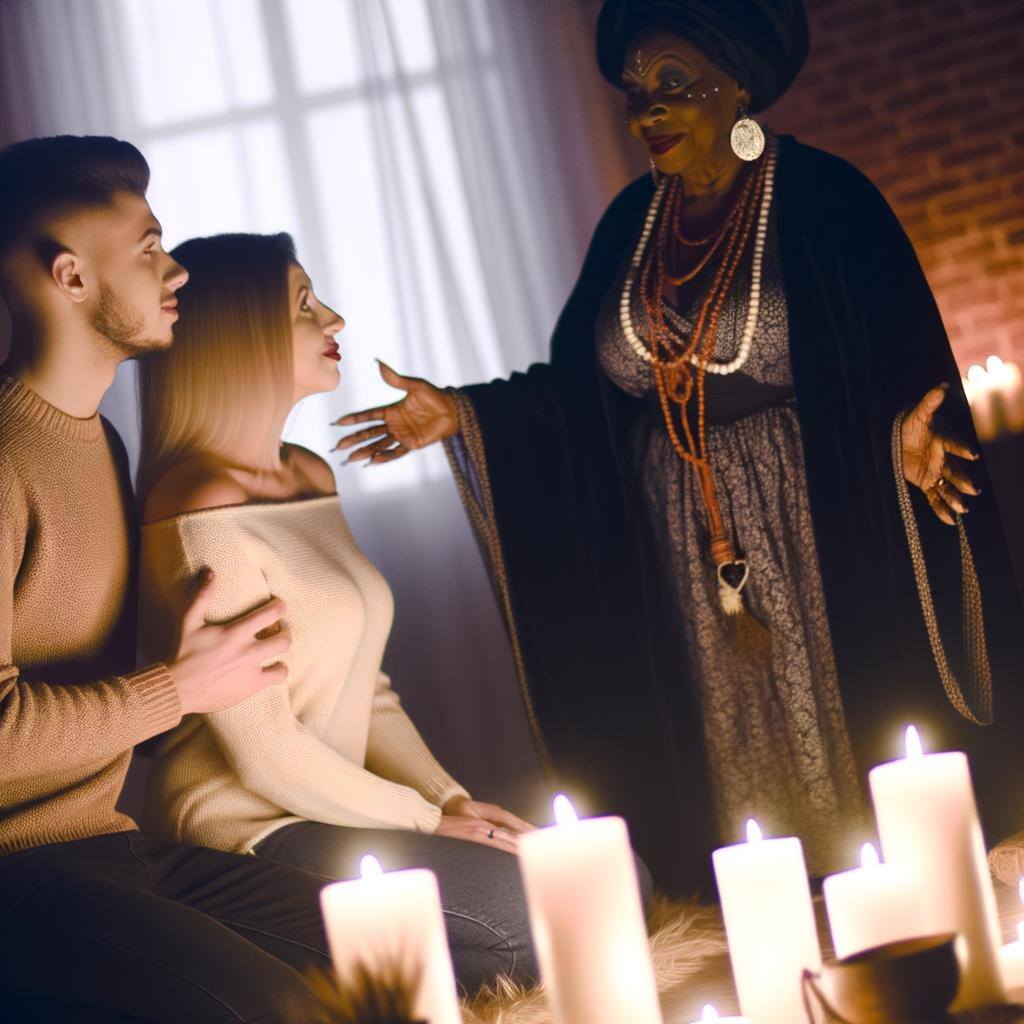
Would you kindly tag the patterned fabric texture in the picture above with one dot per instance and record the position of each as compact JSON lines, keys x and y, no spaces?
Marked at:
{"x":775,"y":733}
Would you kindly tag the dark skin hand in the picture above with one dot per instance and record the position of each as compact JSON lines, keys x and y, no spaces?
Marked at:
{"x":931,"y":459}
{"x":682,"y":108}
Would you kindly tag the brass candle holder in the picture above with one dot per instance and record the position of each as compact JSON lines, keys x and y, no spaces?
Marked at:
{"x":908,"y":982}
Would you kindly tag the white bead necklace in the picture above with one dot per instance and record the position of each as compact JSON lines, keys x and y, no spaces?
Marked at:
{"x":747,"y":339}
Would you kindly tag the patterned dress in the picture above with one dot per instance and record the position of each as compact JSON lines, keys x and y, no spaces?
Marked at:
{"x":776,"y":734}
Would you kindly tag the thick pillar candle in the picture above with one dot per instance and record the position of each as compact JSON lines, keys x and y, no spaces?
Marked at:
{"x":928,"y":824}
{"x":391,"y":923}
{"x":872,"y":905}
{"x":588,"y":922}
{"x":769,"y":922}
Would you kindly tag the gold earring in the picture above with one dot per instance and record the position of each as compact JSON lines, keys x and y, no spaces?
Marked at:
{"x":746,"y":137}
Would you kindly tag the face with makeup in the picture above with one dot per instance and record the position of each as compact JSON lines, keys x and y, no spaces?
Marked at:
{"x":679,"y":104}
{"x":315,"y":352}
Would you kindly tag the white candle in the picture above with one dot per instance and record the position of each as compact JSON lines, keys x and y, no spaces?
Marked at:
{"x":587,"y":920}
{"x":928,"y":823}
{"x":709,"y":1015}
{"x":769,"y":922}
{"x":1011,"y":960}
{"x":872,"y":905}
{"x":388,"y":922}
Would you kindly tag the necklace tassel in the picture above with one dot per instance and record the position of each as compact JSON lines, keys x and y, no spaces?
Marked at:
{"x":747,"y":636}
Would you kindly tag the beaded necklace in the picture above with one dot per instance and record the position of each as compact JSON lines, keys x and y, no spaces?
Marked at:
{"x":679,"y":365}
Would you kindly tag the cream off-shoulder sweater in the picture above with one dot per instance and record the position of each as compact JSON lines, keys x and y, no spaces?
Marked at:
{"x":333,"y":743}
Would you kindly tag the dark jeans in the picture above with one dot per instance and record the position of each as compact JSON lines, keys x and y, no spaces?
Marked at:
{"x":481,"y":889}
{"x":123,"y":928}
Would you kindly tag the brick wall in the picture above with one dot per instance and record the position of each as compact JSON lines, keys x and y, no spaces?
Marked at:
{"x":927,"y":98}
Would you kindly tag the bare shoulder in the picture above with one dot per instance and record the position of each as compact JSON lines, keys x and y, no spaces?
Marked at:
{"x":191,"y":485}
{"x":315,"y":471}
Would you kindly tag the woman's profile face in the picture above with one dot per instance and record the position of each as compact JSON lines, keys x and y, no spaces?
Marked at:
{"x":315,"y":352}
{"x":679,"y":104}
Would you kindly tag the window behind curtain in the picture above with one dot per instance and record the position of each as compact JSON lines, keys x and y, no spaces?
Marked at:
{"x":308,"y":116}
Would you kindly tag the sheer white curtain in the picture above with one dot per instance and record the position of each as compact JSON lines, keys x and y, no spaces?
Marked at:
{"x":440,"y":164}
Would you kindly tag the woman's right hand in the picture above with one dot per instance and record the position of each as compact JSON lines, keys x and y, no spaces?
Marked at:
{"x":426,"y":414}
{"x":476,"y":830}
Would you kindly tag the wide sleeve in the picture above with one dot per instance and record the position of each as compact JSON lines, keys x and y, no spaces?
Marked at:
{"x":396,"y":751}
{"x":535,"y":464}
{"x":49,"y":727}
{"x":270,"y":750}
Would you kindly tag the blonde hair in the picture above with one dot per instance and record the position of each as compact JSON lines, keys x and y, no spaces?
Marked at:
{"x":228,"y":376}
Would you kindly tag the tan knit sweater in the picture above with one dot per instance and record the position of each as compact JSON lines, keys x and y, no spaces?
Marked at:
{"x":332,"y":744}
{"x":69,"y":714}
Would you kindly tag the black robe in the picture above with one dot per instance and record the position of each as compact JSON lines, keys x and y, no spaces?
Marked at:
{"x":594,"y":625}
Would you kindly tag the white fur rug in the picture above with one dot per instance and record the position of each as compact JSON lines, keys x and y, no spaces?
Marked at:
{"x":685,"y":937}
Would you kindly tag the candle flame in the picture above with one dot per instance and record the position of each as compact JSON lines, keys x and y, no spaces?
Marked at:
{"x":708,"y":1014}
{"x":868,"y":856}
{"x":369,"y":867}
{"x":565,"y":813}
{"x":913,"y":741}
{"x":1020,"y":889}
{"x":754,"y":834}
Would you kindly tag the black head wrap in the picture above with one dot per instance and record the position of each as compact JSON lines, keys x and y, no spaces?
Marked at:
{"x":762,"y":44}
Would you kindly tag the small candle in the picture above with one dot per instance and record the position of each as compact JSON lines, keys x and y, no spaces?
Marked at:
{"x":392,"y":922}
{"x":872,"y":905}
{"x":709,"y":1015}
{"x":587,"y":920}
{"x":1011,"y":960}
{"x":928,"y":824}
{"x":769,"y":922}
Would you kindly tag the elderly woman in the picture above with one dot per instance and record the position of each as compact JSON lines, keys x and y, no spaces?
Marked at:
{"x":723,"y":599}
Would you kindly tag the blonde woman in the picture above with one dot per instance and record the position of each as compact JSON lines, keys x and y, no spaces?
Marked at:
{"x":318,"y":770}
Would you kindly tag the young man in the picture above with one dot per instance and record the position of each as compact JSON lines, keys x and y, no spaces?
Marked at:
{"x":101,"y":923}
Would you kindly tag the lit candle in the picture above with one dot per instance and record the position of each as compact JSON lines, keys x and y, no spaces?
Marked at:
{"x":769,"y":922}
{"x":391,"y":923}
{"x":928,"y":824}
{"x":872,"y":905}
{"x":1011,"y":960}
{"x":709,"y":1015}
{"x":587,"y":920}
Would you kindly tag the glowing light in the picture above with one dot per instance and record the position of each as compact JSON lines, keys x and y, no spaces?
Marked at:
{"x":869,"y":856}
{"x":754,"y":834}
{"x":369,"y":867}
{"x":913,"y":743}
{"x":709,"y":1013}
{"x":565,"y":813}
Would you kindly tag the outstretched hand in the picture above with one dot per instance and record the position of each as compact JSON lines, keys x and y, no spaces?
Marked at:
{"x":426,"y":414}
{"x":927,"y":459}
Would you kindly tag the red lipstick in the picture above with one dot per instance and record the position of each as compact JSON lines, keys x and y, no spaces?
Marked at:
{"x":661,"y":144}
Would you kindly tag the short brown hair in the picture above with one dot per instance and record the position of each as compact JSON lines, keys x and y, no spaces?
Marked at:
{"x":41,"y":178}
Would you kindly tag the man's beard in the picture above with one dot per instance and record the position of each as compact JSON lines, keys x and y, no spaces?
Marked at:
{"x":121,"y":324}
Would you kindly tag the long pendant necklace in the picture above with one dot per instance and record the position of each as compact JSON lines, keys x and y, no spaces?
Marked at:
{"x":679,"y":368}
{"x":754,"y":303}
